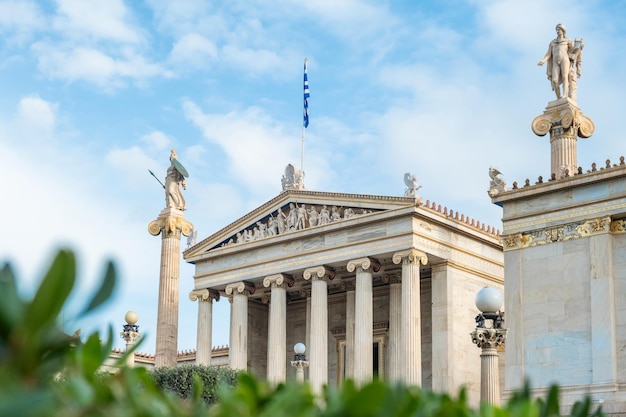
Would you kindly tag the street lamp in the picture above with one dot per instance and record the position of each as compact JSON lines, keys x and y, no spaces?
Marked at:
{"x":130,"y":335}
{"x":299,"y":360}
{"x":489,"y":302}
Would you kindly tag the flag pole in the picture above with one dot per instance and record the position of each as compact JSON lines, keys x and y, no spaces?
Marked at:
{"x":305,"y":116}
{"x":302,"y":151}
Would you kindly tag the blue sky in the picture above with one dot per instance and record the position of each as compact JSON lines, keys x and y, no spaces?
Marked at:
{"x":95,"y":93}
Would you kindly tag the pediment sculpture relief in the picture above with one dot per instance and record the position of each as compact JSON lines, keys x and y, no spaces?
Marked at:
{"x":292,"y":217}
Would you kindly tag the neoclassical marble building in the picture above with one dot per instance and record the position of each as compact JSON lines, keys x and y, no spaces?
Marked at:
{"x":373,"y":285}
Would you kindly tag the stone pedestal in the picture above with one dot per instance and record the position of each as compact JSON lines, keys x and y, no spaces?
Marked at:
{"x":489,"y":340}
{"x":170,"y":224}
{"x":318,"y":357}
{"x":565,"y":123}
{"x":204,"y":334}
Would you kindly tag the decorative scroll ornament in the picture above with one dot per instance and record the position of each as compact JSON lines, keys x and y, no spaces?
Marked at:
{"x":239,"y":288}
{"x":171,"y":225}
{"x":364,"y":264}
{"x":278,"y":280}
{"x":565,"y":120}
{"x":411,"y":256}
{"x":204,"y":294}
{"x":319,"y":272}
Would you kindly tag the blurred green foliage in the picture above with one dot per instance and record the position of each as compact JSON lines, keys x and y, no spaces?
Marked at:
{"x":44,"y":372}
{"x":183,"y":380}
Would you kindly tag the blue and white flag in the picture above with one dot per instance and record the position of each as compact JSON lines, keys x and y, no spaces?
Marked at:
{"x":306,"y":97}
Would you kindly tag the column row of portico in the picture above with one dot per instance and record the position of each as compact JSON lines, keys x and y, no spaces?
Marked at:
{"x":404,"y":327}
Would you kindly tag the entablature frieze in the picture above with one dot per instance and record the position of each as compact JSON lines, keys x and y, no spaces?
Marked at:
{"x":564,"y":232}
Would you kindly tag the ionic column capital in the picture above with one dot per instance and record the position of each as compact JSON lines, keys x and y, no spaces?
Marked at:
{"x":318,"y":272}
{"x":204,"y":294}
{"x":363,"y":263}
{"x":170,"y":224}
{"x":410,"y":256}
{"x":241,"y":287}
{"x":278,"y":280}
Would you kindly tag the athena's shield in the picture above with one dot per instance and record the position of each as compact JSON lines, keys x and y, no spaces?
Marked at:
{"x":180,"y":168}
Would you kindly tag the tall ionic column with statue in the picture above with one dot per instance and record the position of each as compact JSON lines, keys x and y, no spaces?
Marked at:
{"x":562,"y":118}
{"x":170,"y":224}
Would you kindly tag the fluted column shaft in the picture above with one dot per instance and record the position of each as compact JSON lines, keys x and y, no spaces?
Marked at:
{"x":170,"y":225}
{"x":238,"y":349}
{"x":318,"y":356}
{"x":396,"y":364}
{"x":411,"y":326}
{"x":350,"y":311}
{"x":167,"y":313}
{"x":563,"y":155}
{"x":364,"y":319}
{"x":204,"y":336}
{"x":277,"y":328}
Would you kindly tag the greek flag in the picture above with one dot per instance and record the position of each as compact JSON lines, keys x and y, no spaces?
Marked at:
{"x":306,"y":97}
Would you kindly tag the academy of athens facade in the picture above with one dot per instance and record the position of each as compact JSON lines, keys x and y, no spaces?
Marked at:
{"x":375,"y":286}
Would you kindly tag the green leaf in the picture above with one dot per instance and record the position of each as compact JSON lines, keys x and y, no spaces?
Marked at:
{"x":11,"y":307}
{"x":53,"y":292}
{"x":104,"y":292}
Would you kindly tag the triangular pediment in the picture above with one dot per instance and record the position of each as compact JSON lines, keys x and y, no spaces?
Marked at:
{"x":294,"y":211}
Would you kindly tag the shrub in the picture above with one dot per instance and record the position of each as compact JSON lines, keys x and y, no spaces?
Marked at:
{"x":181,"y":380}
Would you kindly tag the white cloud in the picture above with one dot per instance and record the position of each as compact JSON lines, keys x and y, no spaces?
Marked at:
{"x":20,"y":19}
{"x":256,"y":146}
{"x":193,"y":50}
{"x":102,"y":20}
{"x":88,"y":64}
{"x":36,"y":118}
{"x":156,"y":140}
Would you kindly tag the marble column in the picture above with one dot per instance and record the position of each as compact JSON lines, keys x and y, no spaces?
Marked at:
{"x":318,"y":351}
{"x":238,"y":349}
{"x":204,"y":344}
{"x":396,"y":364}
{"x":170,"y":225}
{"x":411,"y":326}
{"x":364,"y":318}
{"x":488,"y":340}
{"x":447,"y":375}
{"x":349,"y":360}
{"x":277,"y":327}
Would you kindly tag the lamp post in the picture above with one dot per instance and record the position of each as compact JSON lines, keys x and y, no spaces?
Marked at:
{"x":489,"y":302}
{"x":299,"y":361}
{"x":130,"y":335}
